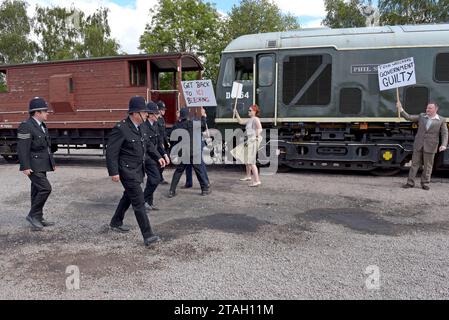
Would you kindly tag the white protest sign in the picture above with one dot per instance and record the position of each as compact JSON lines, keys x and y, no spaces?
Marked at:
{"x":237,"y":89}
{"x":397,"y":74}
{"x":199,"y":93}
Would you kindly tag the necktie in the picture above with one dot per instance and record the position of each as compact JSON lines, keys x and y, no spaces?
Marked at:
{"x":42,"y":127}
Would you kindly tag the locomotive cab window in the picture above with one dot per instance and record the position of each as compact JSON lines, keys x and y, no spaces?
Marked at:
{"x":416,"y":99}
{"x":238,"y":69}
{"x":442,"y":67}
{"x":138,"y":73}
{"x":3,"y":81}
{"x":307,"y":80}
{"x":265,"y":73}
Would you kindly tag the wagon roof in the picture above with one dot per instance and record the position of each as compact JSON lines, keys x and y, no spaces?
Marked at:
{"x":346,"y":39}
{"x":190,"y":61}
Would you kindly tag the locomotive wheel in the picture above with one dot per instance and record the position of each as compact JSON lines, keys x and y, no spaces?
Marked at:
{"x":386,"y":172}
{"x":13,"y":159}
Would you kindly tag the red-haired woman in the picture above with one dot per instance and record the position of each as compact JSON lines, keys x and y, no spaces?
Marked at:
{"x":247,"y":153}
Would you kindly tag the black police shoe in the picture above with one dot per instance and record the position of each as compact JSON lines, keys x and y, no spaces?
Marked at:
{"x":120,"y":229}
{"x":171,"y":194}
{"x":407,"y":186}
{"x":46,"y":223}
{"x":186,"y":187}
{"x":163,"y":182}
{"x":35,"y":223}
{"x":425,"y":187}
{"x":151,"y":240}
{"x":205,"y":192}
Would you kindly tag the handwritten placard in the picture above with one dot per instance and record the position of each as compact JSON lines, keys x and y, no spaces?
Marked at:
{"x":397,"y":74}
{"x":199,"y":93}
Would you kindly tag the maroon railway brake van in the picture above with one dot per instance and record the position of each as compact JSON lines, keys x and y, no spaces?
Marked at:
{"x":87,"y":97}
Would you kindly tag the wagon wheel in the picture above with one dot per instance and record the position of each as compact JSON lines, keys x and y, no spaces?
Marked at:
{"x":386,"y":172}
{"x":13,"y":159}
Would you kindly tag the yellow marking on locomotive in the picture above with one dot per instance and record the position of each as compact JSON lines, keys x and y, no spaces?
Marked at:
{"x":388,"y":156}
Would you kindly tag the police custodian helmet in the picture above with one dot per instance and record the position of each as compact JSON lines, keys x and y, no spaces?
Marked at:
{"x":37,"y":104}
{"x":137,"y":104}
{"x":161,"y":105}
{"x":152,"y":108}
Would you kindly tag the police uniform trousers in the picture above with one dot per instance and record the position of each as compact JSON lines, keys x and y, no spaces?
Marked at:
{"x":40,"y":191}
{"x":153,"y":179}
{"x":133,"y":195}
{"x":180,"y":168}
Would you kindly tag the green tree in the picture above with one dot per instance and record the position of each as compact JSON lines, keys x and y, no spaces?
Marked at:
{"x":68,"y":34}
{"x":179,"y":26}
{"x":343,"y":14}
{"x":15,"y":28}
{"x":59,"y":32}
{"x":182,"y":26}
{"x":3,"y":84}
{"x":248,"y":17}
{"x":399,"y":12}
{"x":96,"y":36}
{"x":258,"y":16}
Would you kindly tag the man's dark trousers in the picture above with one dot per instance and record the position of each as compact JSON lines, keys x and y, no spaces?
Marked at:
{"x":40,"y":191}
{"x":180,"y":168}
{"x":153,"y":180}
{"x":133,"y":195}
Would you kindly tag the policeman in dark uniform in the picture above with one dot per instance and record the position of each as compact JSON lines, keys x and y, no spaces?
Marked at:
{"x":34,"y":149}
{"x":185,"y":124}
{"x":162,"y":131}
{"x":125,"y":156}
{"x":152,"y":167}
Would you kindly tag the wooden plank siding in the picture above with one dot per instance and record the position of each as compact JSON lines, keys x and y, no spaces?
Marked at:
{"x":100,"y":86}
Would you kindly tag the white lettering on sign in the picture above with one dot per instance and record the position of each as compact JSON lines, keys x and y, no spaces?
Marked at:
{"x":242,"y":95}
{"x":397,"y":74}
{"x":199,"y":93}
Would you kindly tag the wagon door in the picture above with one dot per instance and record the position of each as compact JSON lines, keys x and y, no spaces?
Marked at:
{"x":266,"y":84}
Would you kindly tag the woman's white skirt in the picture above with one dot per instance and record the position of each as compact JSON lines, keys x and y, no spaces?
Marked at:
{"x":246,"y":153}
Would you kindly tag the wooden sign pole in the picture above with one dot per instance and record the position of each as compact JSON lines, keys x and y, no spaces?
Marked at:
{"x":235,"y":107}
{"x":398,"y":99}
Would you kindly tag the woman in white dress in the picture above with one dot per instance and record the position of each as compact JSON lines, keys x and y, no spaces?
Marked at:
{"x":247,"y":152}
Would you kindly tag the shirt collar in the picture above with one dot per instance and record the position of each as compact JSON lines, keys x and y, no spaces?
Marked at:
{"x":436,"y":117}
{"x":39,"y":123}
{"x":136,"y":125}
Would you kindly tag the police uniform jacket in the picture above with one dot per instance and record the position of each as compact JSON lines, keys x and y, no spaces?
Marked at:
{"x":156,"y":139}
{"x":34,"y":147}
{"x":127,"y":149}
{"x":162,"y":131}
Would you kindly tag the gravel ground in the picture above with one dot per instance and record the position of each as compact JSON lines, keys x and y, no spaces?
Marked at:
{"x":301,"y":235}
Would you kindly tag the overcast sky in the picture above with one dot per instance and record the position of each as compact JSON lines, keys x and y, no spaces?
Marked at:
{"x":128,"y":18}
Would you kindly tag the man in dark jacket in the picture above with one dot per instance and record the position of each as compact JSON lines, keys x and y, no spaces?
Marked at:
{"x":152,"y":167}
{"x":34,"y":149}
{"x":185,"y":124}
{"x":125,"y":156}
{"x":163,"y":132}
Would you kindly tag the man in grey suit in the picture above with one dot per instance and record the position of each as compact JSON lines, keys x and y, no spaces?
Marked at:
{"x":431,"y":127}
